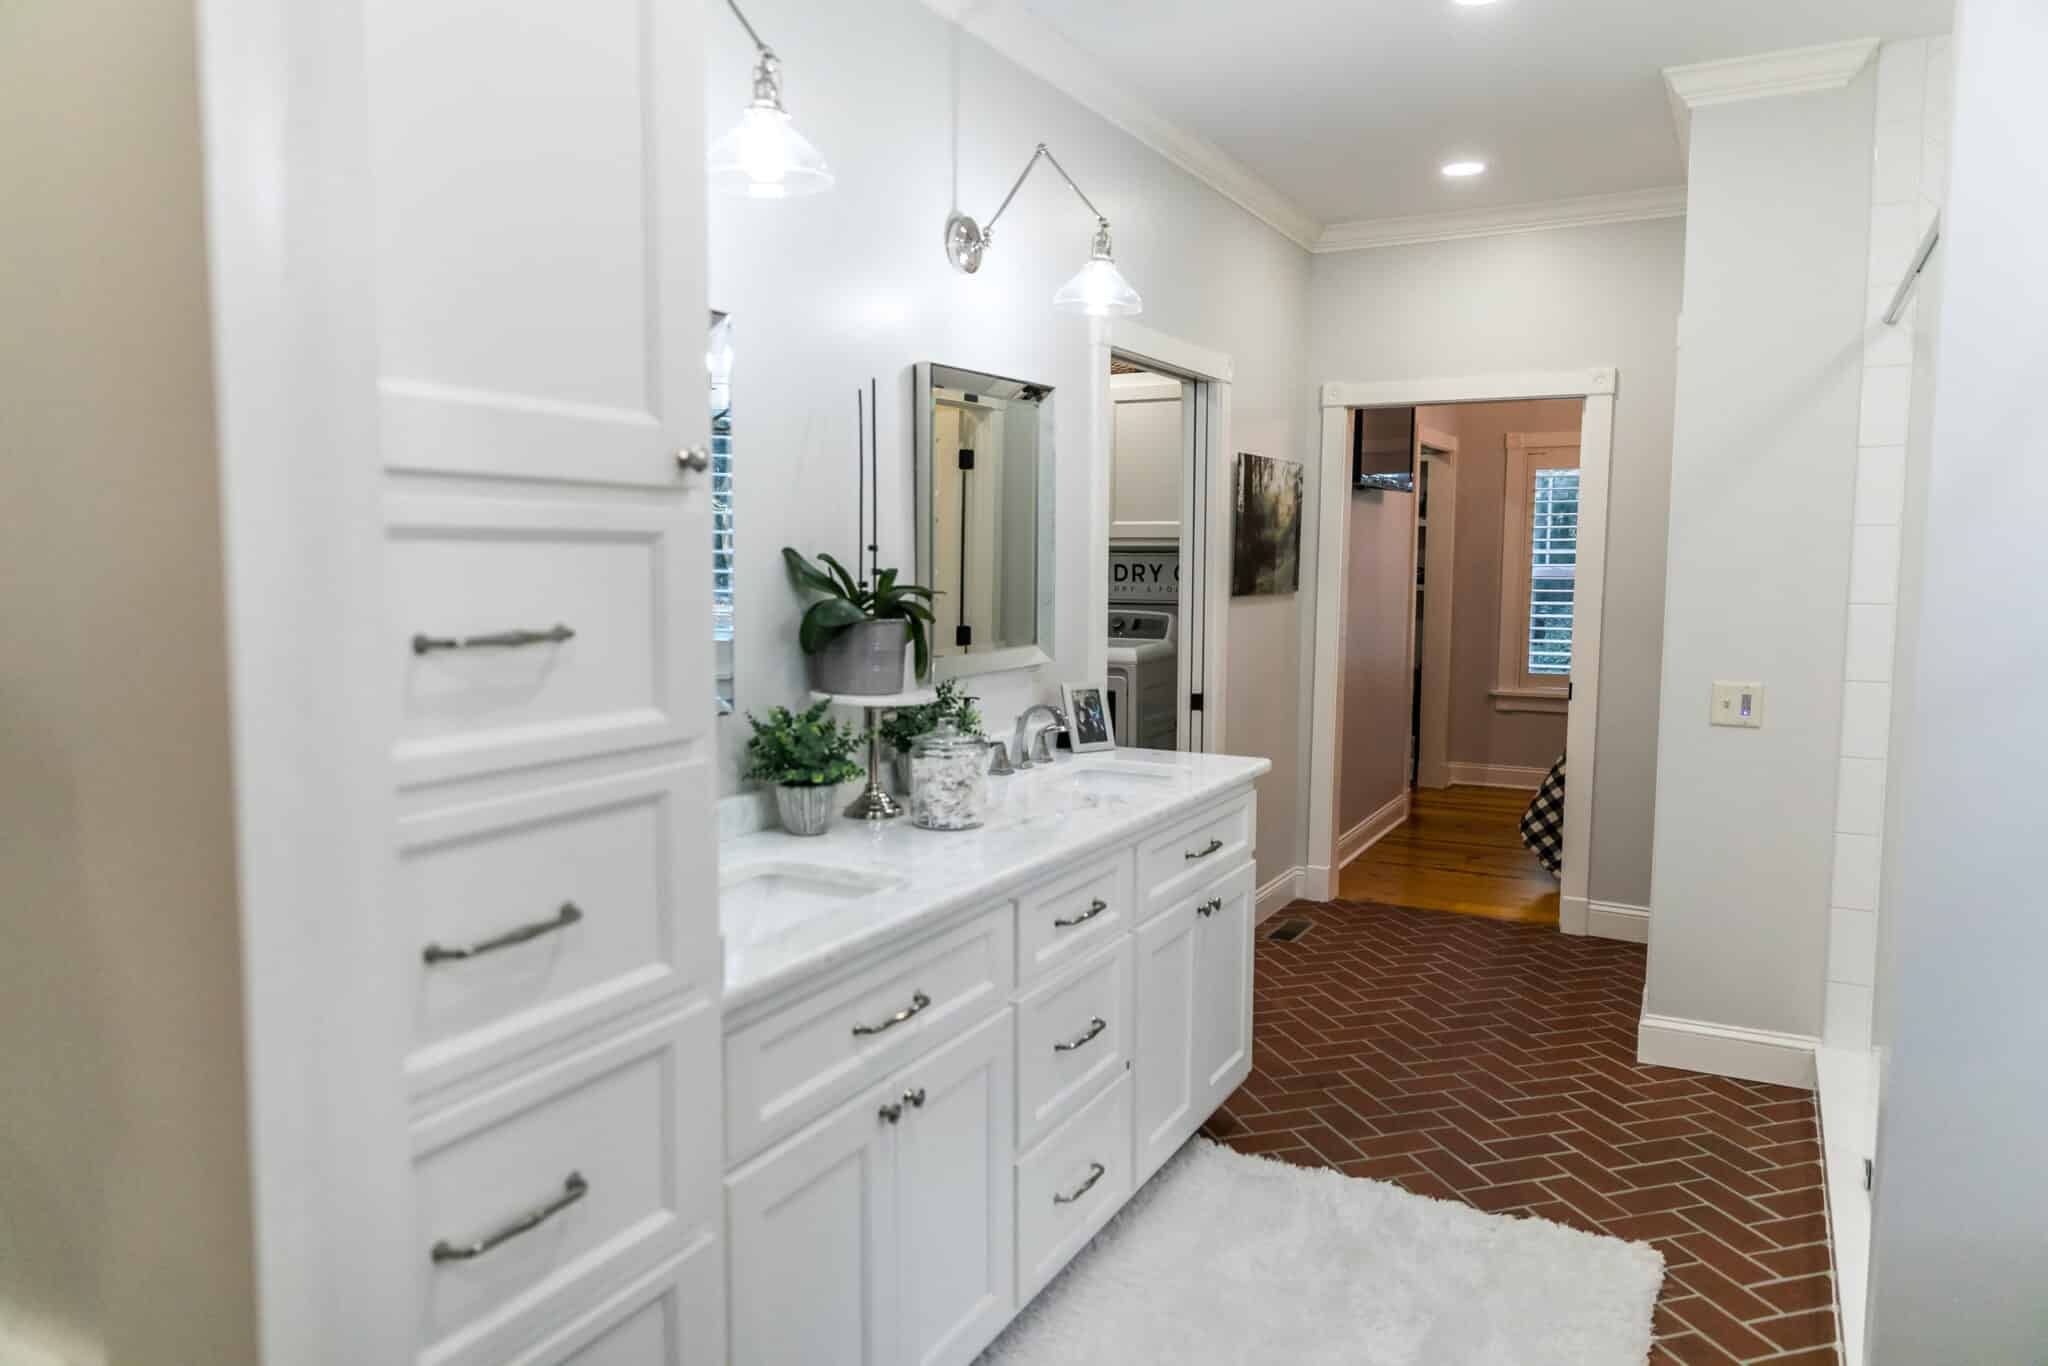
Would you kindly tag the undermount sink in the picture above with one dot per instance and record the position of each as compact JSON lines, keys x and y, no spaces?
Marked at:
{"x":765,"y":899}
{"x":1106,"y":773}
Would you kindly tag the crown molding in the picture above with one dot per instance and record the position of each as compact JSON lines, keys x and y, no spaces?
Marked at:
{"x":1791,"y":71}
{"x":1629,"y":207}
{"x":1042,"y":52}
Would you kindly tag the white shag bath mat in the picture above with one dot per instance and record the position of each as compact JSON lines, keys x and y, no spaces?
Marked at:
{"x":1225,"y":1258}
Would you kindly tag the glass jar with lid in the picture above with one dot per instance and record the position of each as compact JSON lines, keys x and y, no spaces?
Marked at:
{"x":948,"y":779}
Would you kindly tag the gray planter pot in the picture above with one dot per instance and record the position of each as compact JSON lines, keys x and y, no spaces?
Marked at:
{"x":866,"y":659}
{"x":806,"y":810}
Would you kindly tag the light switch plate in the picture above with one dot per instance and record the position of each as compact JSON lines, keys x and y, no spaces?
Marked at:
{"x":1737,"y":704}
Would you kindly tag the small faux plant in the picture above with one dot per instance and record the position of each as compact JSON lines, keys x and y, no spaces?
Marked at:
{"x":802,"y":749}
{"x":902,"y":726}
{"x":847,"y":603}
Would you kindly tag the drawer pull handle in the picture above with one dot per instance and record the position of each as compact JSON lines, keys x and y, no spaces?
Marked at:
{"x":1095,"y":908}
{"x":1209,"y":907}
{"x":1095,"y":1026}
{"x":1095,"y":1173}
{"x":573,"y":1189}
{"x":561,"y":920}
{"x":918,"y":1002}
{"x":914,"y":1098}
{"x":554,"y":635}
{"x":1194,"y":854}
{"x":891,"y":1112}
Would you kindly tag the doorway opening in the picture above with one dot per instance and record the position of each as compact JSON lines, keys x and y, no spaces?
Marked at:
{"x":1457,"y":643}
{"x":1167,"y":406}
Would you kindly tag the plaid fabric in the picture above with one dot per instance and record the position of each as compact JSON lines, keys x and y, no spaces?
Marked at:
{"x":1543,"y":822}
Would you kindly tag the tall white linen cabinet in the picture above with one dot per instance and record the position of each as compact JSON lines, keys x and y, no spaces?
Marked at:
{"x":457,"y":252}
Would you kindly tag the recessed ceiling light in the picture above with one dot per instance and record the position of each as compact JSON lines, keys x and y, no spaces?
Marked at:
{"x":1458,"y":170}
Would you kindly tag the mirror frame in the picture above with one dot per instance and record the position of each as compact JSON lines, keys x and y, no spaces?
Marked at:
{"x":925,"y":480}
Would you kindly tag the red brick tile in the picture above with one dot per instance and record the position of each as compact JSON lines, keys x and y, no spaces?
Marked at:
{"x":1495,"y":1063}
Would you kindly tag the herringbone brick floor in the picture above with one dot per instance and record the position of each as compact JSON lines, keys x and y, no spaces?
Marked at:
{"x":1494,"y":1063}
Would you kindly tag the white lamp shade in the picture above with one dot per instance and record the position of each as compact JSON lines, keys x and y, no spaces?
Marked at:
{"x":766,"y":158}
{"x":1099,"y":290}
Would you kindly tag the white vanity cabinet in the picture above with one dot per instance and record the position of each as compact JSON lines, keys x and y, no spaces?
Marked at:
{"x":923,"y":1133}
{"x":882,"y":1232}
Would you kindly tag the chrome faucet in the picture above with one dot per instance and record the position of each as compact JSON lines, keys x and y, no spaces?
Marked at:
{"x":1028,"y":753}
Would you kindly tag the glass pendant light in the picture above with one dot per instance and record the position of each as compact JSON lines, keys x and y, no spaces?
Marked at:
{"x":1099,"y":289}
{"x":765,"y":157}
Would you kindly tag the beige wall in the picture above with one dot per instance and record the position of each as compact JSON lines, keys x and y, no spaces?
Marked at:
{"x":1478,"y":733}
{"x":1604,"y":295}
{"x":1372,"y":769}
{"x":124,"y":1217}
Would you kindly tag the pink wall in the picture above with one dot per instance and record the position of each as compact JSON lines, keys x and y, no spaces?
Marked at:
{"x":1372,"y":770}
{"x":1478,"y":733}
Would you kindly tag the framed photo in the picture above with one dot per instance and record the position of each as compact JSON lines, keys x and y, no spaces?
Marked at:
{"x":1265,"y":551}
{"x":1088,"y":723}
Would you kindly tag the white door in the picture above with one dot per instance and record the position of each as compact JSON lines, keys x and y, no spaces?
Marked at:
{"x":954,"y":1182}
{"x":812,"y":1231}
{"x":1223,"y":992}
{"x":1168,"y":1089}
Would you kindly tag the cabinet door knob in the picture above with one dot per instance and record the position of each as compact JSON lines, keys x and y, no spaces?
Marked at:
{"x":892,"y":1113}
{"x":695,"y":459}
{"x":1209,"y":907}
{"x":914,"y":1097}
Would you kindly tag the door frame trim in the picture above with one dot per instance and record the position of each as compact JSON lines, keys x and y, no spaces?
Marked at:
{"x":1596,"y":385}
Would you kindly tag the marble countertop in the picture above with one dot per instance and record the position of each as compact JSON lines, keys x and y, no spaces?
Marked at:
{"x":1042,"y":820}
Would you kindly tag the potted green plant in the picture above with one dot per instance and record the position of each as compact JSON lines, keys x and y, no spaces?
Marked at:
{"x":806,"y":755}
{"x":902,"y":727}
{"x":855,"y":632}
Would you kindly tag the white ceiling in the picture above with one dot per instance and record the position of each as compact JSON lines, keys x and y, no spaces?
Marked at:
{"x":1349,"y":107}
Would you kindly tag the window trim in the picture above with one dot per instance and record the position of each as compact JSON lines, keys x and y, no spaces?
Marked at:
{"x":1515,"y":689}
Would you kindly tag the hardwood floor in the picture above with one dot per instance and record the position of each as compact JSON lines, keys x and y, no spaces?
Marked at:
{"x":1459,"y":850}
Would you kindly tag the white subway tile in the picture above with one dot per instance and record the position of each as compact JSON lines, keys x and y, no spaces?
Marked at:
{"x":1894,"y":232}
{"x":1859,"y":797}
{"x":1874,"y":564}
{"x":1848,"y":1016}
{"x":1852,"y":946}
{"x":1887,"y":399}
{"x":1901,"y":79}
{"x":1866,"y":719}
{"x":1880,"y":485}
{"x":1856,"y":872}
{"x":1868,"y":656}
{"x":1895,"y":172}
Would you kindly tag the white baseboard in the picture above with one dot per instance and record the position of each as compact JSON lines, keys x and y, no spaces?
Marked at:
{"x":1618,"y":920}
{"x":1495,"y":775}
{"x":1572,"y":914}
{"x":1276,"y":894}
{"x":1371,"y":830}
{"x":1318,"y":883}
{"x":1727,"y":1050}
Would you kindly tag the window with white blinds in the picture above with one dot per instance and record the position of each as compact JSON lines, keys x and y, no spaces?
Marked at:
{"x":1553,"y":570}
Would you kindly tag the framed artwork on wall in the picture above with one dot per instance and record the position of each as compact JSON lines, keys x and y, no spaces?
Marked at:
{"x":1265,"y":536}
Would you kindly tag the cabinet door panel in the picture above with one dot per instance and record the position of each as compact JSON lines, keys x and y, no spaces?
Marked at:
{"x":954,"y":1180}
{"x":1223,"y":992}
{"x":1166,"y":1084}
{"x":812,"y":1230}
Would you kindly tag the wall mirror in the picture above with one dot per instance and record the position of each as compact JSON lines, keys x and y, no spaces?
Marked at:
{"x":984,"y":517}
{"x":718,"y":360}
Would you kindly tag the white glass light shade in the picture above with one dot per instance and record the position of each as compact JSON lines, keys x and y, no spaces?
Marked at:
{"x":766,"y":158}
{"x":1099,"y":290}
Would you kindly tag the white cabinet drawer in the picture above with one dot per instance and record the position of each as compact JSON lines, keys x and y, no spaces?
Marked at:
{"x":1063,"y":921}
{"x":793,"y":1065}
{"x":462,"y":571}
{"x":532,"y":1201}
{"x":529,"y":917}
{"x":1070,"y":1185}
{"x":1073,"y":1038}
{"x":1197,"y":851}
{"x":672,"y":1316}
